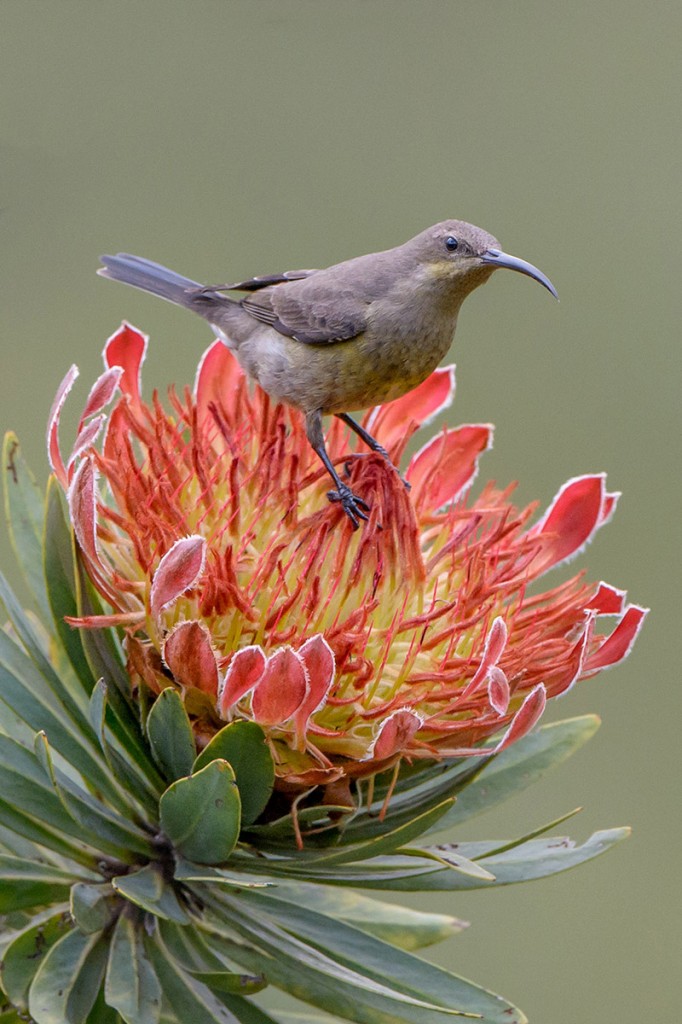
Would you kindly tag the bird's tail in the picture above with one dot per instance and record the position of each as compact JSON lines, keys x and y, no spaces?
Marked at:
{"x":159,"y":280}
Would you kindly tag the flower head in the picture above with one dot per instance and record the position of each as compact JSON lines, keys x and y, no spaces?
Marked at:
{"x":420,"y":636}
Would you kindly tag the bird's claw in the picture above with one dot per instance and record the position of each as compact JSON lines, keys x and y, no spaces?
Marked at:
{"x":354,"y":507}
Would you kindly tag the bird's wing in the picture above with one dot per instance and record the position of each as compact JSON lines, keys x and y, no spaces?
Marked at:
{"x":254,"y":284}
{"x":316,"y":314}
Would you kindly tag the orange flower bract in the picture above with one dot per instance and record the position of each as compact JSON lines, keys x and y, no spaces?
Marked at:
{"x":205,"y":527}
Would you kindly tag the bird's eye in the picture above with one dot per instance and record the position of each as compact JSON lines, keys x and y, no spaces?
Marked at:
{"x":451,"y":243}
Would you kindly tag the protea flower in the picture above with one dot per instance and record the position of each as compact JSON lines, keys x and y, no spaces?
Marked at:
{"x":205,"y":530}
{"x":242,"y":704}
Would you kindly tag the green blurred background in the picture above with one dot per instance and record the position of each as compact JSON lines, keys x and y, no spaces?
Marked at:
{"x":231,"y":138}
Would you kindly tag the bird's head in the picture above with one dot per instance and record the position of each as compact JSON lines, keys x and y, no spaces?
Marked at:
{"x":463,"y":256}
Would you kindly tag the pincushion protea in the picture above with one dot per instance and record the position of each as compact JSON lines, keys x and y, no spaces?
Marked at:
{"x":186,"y":763}
{"x":205,"y":530}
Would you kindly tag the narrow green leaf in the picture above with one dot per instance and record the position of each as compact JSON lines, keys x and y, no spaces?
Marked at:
{"x":373,"y":984}
{"x":191,"y":999}
{"x":401,"y":926}
{"x":67,"y":982}
{"x":28,"y":884}
{"x":186,"y":871}
{"x":131,"y":984}
{"x":539,"y":858}
{"x":200,"y":814}
{"x":43,"y":703}
{"x":376,"y":847}
{"x":451,"y":859}
{"x":133,"y":781}
{"x":24,"y":824}
{"x":92,"y":905}
{"x":536,"y":859}
{"x":72,"y":699}
{"x":148,"y":889}
{"x":25,"y":513}
{"x":520,"y":765}
{"x":113,"y":833}
{"x":59,"y":564}
{"x":243,"y":744}
{"x":170,"y":735}
{"x":27,"y":948}
{"x":23,"y":777}
{"x":194,"y":955}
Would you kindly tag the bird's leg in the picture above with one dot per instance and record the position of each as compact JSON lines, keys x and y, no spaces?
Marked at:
{"x":370,"y":442}
{"x":354,"y":507}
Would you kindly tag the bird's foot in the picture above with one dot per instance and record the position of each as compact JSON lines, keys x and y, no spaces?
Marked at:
{"x":354,"y":507}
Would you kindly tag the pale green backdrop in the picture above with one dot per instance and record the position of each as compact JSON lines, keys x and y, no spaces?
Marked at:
{"x":230,"y":138}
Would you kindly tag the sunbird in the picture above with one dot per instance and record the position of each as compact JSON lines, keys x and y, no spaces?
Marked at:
{"x":353,"y":335}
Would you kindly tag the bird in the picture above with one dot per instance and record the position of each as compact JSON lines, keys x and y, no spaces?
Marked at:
{"x":346,"y":337}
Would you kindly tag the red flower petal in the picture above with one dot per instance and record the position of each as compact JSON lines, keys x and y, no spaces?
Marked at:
{"x":86,"y":437}
{"x":217,"y":376}
{"x":281,"y":690}
{"x":395,"y":420}
{"x":447,"y":464}
{"x":525,"y":718}
{"x":608,"y":600}
{"x":394,"y":734}
{"x":82,"y":500}
{"x":178,"y":570}
{"x":245,"y":669}
{"x":101,"y":392}
{"x":495,"y":643}
{"x":578,"y":510}
{"x":53,"y":452}
{"x":189,"y":655}
{"x":498,"y":690}
{"x":572,"y":667}
{"x":618,"y":645}
{"x":318,"y":658}
{"x":126,"y":348}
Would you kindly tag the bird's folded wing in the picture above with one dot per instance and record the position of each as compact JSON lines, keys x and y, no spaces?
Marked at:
{"x":315,"y":314}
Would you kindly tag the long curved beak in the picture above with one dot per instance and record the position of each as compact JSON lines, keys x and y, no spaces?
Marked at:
{"x":503,"y":259}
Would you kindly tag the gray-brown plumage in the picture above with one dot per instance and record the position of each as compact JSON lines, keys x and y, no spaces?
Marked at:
{"x":353,"y":335}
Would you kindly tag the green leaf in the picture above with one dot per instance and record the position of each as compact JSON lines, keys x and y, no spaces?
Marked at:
{"x":200,"y":814}
{"x":26,"y":949}
{"x":186,"y":871}
{"x":70,"y":696}
{"x":24,"y":824}
{"x":131,"y":984}
{"x":100,"y":824}
{"x":23,"y":777}
{"x":538,"y":858}
{"x":147,"y":888}
{"x":520,"y":765}
{"x":381,"y":845}
{"x":401,"y":926}
{"x":191,"y":999}
{"x":192,"y":953}
{"x":59,"y":565}
{"x":521,"y":864}
{"x":28,"y":884}
{"x":43,"y":702}
{"x":92,"y":906}
{"x":25,"y":513}
{"x":67,"y":982}
{"x":170,"y":735}
{"x":243,"y":744}
{"x":342,"y":969}
{"x":133,"y":781}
